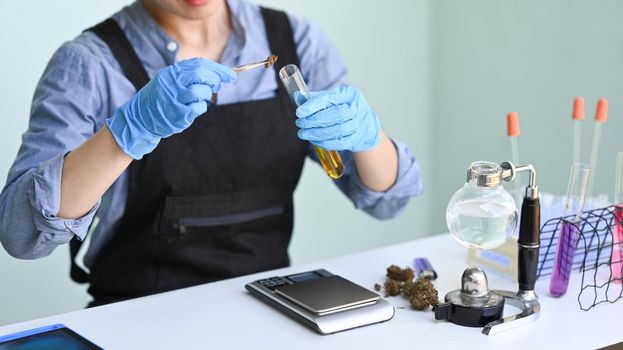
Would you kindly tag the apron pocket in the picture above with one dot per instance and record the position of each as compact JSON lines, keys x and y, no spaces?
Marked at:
{"x":183,"y":223}
{"x":214,"y":213}
{"x":210,"y":237}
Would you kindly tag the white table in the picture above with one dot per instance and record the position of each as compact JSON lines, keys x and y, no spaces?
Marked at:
{"x":223,"y":315}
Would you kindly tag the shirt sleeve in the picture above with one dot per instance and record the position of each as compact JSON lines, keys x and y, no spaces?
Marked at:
{"x":323,"y":68}
{"x":62,"y":117}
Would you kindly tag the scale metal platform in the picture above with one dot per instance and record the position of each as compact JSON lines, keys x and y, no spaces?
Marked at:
{"x":325,"y":302}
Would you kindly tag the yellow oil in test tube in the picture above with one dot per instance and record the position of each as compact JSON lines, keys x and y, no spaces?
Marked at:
{"x":293,"y":81}
{"x":331,"y":162}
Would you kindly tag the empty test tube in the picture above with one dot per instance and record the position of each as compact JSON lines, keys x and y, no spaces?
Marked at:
{"x":293,"y":81}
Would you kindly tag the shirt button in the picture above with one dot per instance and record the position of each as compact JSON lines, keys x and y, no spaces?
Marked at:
{"x":172,"y":46}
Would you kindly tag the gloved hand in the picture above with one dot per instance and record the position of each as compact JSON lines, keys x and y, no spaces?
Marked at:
{"x":167,"y":105}
{"x":339,"y":119}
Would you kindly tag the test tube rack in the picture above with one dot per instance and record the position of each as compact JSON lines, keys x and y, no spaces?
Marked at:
{"x":597,"y":242}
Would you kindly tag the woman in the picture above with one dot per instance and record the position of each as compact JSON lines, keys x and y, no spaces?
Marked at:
{"x":173,"y":188}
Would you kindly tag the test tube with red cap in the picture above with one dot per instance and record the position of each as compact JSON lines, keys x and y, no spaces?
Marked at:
{"x":512,"y":130}
{"x":601,"y":116}
{"x":577,"y":116}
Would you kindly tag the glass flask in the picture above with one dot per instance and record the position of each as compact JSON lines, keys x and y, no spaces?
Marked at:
{"x":482,"y":214}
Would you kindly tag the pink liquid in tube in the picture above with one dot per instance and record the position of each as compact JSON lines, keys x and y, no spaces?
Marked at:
{"x":617,"y":244}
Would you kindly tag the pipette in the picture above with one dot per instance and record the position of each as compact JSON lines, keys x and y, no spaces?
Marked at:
{"x":601,"y":115}
{"x":512,"y":130}
{"x":578,"y":117}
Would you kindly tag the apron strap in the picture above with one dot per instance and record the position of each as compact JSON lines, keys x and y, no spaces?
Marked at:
{"x":76,"y":272}
{"x":280,"y":39}
{"x":112,"y":34}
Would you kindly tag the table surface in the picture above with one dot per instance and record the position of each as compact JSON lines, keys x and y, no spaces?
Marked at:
{"x":224,"y":315}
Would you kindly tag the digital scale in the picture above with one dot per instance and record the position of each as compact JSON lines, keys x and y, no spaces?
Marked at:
{"x":325,"y":302}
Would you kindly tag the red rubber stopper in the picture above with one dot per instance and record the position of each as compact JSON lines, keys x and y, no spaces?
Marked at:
{"x":601,"y":115}
{"x":578,"y":109}
{"x":512,"y":124}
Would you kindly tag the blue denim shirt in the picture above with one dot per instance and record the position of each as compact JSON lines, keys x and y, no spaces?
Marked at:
{"x":82,"y":86}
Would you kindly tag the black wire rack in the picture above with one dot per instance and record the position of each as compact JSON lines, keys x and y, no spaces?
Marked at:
{"x":599,"y":236}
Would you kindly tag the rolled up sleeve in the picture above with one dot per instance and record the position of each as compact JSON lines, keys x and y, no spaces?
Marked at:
{"x":62,"y":118}
{"x":388,"y":204}
{"x":44,"y":199}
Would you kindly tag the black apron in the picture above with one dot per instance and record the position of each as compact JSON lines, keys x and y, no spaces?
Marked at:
{"x":212,"y":202}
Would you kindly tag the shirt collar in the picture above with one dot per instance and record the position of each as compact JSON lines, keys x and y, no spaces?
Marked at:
{"x":169,"y":48}
{"x":150,"y":33}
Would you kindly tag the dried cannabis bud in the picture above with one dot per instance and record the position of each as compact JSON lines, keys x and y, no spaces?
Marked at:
{"x":423,"y":294}
{"x":392,"y":288}
{"x":396,"y":273}
{"x":418,"y":302}
{"x":408,"y":289}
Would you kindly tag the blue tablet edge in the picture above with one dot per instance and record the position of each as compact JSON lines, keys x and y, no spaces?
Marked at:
{"x":22,"y":334}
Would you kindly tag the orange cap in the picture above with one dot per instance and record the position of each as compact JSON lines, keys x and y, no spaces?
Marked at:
{"x":512,"y":124}
{"x":601,"y":115}
{"x":578,"y":109}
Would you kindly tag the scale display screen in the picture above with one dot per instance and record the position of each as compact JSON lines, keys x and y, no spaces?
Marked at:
{"x":305,"y":276}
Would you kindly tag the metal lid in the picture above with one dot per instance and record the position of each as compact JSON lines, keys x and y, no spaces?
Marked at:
{"x":487,"y":174}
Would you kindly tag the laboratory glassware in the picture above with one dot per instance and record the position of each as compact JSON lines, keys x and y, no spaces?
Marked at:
{"x":601,"y":116}
{"x":474,"y":304}
{"x":577,"y":116}
{"x":513,"y":131}
{"x":293,"y":82}
{"x":569,"y":232}
{"x":481,"y":217}
{"x":617,"y":231}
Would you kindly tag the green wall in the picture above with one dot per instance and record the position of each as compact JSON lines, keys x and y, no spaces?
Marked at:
{"x":532,"y":57}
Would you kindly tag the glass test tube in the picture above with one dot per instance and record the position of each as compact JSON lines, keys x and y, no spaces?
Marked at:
{"x":293,"y":81}
{"x":569,"y":233}
{"x":616,"y":263}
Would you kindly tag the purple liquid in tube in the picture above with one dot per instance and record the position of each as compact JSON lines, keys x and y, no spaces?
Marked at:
{"x":617,"y":244}
{"x":564,"y":259}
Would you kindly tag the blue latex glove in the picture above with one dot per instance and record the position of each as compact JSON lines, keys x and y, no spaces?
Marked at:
{"x":339,"y":120}
{"x":167,"y":105}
